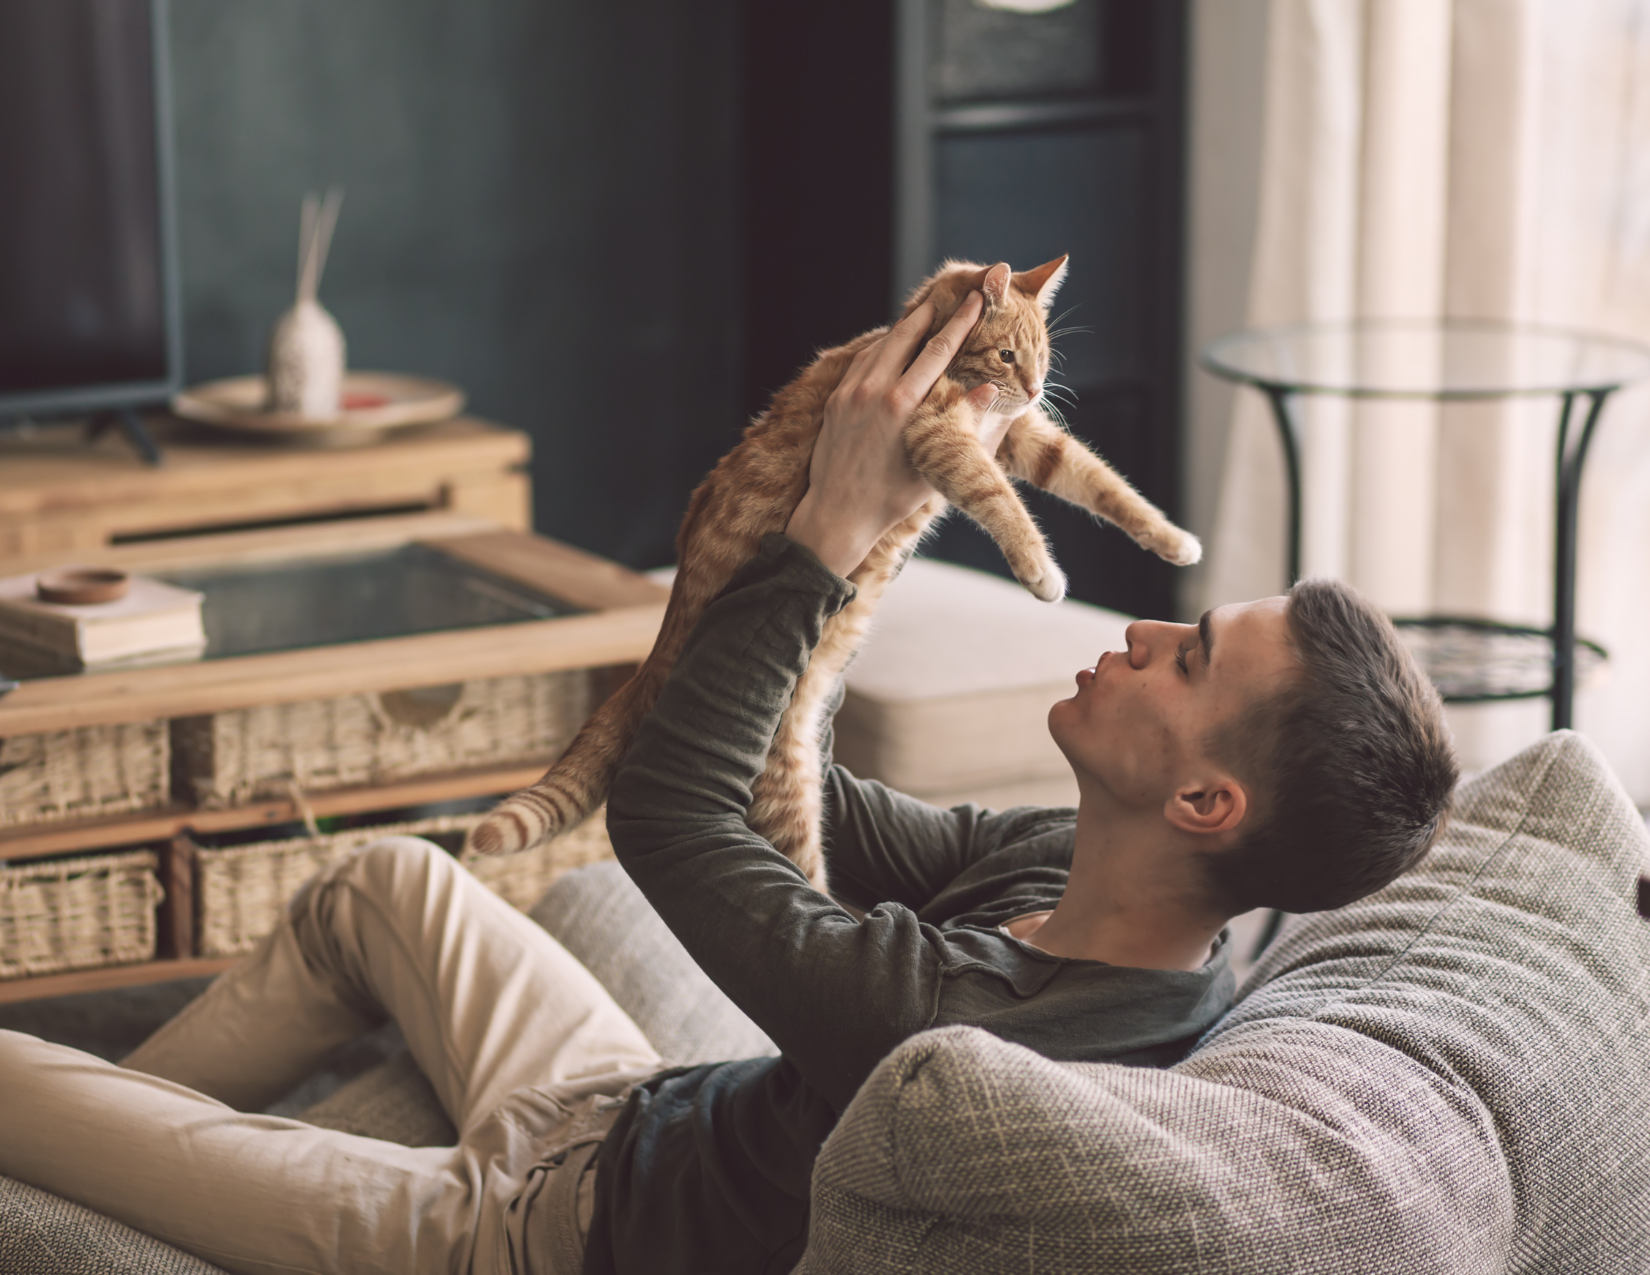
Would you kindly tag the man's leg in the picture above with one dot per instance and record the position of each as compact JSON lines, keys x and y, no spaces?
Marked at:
{"x":506,"y":1024}
{"x":487,"y":1000}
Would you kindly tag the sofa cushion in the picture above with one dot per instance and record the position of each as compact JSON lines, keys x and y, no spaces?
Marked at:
{"x":394,"y":1102}
{"x":1449,"y":1076}
{"x":599,"y":915}
{"x":964,"y":1152}
{"x":42,"y":1234}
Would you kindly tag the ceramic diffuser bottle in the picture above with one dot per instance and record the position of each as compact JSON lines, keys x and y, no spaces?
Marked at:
{"x":306,"y":348}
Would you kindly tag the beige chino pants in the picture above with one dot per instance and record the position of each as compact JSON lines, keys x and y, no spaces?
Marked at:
{"x":512,"y":1032}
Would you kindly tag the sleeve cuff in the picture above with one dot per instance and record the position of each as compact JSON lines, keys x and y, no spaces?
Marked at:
{"x":781,"y":560}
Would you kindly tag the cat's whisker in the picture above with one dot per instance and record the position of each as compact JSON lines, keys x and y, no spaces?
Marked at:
{"x":1056,"y":415}
{"x":1055,"y":322}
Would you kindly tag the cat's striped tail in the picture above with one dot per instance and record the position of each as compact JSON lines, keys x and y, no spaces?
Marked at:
{"x":577,"y":783}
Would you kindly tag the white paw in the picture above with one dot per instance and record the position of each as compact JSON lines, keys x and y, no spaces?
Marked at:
{"x":1179,"y":547}
{"x":1048,"y":587}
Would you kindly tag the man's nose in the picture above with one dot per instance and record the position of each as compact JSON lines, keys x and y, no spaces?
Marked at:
{"x":1138,"y":636}
{"x":1145,"y":637}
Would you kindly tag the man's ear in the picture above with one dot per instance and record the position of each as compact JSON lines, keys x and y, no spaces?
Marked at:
{"x":1212,"y":803}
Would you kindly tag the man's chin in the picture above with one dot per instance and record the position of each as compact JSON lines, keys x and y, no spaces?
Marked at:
{"x":1060,"y":723}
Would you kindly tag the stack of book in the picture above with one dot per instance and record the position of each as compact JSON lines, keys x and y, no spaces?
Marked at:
{"x":145,"y":621}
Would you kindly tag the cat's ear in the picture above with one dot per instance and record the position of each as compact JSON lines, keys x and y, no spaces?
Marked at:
{"x":1044,"y":281}
{"x":995,"y":284}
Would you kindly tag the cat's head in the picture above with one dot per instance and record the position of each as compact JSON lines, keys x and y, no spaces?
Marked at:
{"x":1009,"y":345}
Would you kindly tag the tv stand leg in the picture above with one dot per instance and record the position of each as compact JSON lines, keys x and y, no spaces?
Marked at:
{"x":131,"y":424}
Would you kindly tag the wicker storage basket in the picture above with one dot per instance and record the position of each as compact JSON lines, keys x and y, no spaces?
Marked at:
{"x":77,"y":774}
{"x":70,"y":914}
{"x":230,"y":758}
{"x":240,"y":890}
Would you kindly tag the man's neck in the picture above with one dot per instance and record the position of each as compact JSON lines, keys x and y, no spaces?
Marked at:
{"x":1134,"y":897}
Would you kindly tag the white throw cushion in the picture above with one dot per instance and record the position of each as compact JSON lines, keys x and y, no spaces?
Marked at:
{"x":949,"y":697}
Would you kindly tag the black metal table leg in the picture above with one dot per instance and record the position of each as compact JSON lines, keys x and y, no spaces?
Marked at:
{"x":1568,"y":485}
{"x":1280,"y":400}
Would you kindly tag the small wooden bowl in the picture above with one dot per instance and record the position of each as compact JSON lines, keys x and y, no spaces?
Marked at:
{"x":81,"y":586}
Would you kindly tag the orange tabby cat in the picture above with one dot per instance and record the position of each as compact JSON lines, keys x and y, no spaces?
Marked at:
{"x":756,"y":487}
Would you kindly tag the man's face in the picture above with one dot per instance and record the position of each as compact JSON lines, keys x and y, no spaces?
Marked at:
{"x":1138,"y":724}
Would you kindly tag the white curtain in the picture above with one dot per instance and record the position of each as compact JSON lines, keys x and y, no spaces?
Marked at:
{"x":1468,"y":158}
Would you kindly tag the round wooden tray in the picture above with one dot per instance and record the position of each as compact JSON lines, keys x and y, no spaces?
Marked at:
{"x":372,"y":401}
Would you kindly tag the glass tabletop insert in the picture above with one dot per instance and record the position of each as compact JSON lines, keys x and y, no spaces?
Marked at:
{"x":254,"y":608}
{"x":1422,"y":358}
{"x":283,"y":606}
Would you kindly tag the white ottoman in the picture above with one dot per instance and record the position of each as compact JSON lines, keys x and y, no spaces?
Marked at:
{"x":949,"y":697}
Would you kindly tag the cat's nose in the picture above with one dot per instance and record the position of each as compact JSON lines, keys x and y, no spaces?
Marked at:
{"x":1033,"y":390}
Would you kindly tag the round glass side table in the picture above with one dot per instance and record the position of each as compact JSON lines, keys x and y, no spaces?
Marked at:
{"x":1469,"y":659}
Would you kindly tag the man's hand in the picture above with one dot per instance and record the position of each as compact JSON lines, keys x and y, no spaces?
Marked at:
{"x":860,"y":482}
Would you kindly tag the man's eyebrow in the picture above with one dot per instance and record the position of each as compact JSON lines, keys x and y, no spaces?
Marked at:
{"x":1206,"y":638}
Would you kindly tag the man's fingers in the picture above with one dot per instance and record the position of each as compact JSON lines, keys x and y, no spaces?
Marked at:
{"x":936,"y":356}
{"x":858,"y":368}
{"x":981,"y":397}
{"x":894,"y":351}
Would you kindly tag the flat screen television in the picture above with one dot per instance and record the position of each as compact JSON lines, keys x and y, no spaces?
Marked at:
{"x":88,"y":274}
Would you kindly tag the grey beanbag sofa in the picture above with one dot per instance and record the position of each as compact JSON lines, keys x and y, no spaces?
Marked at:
{"x":1452,"y":1076}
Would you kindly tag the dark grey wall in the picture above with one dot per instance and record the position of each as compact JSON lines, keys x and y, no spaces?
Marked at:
{"x":541,"y":205}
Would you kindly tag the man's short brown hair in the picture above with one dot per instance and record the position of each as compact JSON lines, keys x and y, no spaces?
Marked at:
{"x":1351,"y":767}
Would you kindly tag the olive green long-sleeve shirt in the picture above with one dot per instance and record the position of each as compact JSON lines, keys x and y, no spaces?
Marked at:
{"x":708,"y":1167}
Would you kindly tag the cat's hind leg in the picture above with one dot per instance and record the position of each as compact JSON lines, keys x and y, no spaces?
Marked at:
{"x":942,"y":445}
{"x":1040,"y":452}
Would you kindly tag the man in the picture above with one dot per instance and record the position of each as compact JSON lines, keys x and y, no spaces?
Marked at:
{"x":1281,"y":753}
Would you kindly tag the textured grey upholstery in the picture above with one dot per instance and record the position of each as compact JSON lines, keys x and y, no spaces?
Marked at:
{"x":602,"y":918}
{"x":393,"y":1101}
{"x":1447,"y":1077}
{"x":42,"y":1234}
{"x":1450,"y":1076}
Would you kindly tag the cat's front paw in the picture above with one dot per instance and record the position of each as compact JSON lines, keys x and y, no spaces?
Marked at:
{"x":1049,"y":585}
{"x":1174,"y":545}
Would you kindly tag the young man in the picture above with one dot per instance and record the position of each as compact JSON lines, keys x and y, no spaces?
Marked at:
{"x":1284,"y":752}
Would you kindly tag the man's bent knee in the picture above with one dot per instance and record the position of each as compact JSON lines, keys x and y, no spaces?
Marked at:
{"x":379,"y":868}
{"x":390,"y":875}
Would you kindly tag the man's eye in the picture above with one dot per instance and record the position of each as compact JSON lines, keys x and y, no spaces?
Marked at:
{"x":1180,"y":658}
{"x":1007,"y":356}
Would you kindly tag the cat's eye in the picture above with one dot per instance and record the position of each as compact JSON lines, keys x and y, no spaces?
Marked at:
{"x":1007,"y":356}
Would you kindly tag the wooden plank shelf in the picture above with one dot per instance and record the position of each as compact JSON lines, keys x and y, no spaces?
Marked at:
{"x":73,"y":982}
{"x":61,"y":495}
{"x":161,"y":825}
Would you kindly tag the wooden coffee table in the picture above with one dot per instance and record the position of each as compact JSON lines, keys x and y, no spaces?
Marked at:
{"x":617,"y":617}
